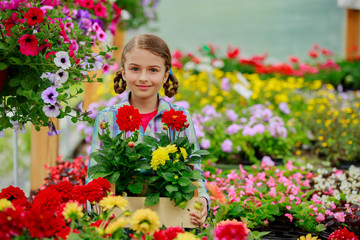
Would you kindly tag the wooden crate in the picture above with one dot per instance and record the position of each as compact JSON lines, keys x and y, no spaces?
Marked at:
{"x":169,"y":214}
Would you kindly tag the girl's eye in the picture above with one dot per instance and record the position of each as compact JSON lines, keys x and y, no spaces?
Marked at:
{"x":135,"y":69}
{"x":153,"y":70}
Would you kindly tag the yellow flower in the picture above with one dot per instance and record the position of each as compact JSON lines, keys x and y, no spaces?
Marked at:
{"x":4,"y":204}
{"x":186,"y":236}
{"x":183,"y":153}
{"x":114,"y":226}
{"x":145,"y":221}
{"x":321,"y":138}
{"x":308,"y":237}
{"x":350,"y":142}
{"x":171,"y":148}
{"x":324,"y":144}
{"x":110,"y":202}
{"x":159,"y":156}
{"x":73,"y":210}
{"x":298,"y":153}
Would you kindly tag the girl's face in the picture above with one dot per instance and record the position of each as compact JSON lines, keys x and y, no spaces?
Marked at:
{"x":144,"y":73}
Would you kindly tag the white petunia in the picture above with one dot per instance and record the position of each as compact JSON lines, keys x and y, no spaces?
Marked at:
{"x":62,"y":76}
{"x":62,"y":60}
{"x":51,"y":110}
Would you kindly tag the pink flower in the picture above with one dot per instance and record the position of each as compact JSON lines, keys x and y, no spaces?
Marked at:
{"x":288,"y":207}
{"x":100,"y":10}
{"x":231,"y":230}
{"x":340,"y":216}
{"x":290,"y":216}
{"x":272,"y":192}
{"x":289,"y":166}
{"x":320,"y":217}
{"x":28,"y":45}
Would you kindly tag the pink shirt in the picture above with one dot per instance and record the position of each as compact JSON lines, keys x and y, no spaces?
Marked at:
{"x":146,"y":117}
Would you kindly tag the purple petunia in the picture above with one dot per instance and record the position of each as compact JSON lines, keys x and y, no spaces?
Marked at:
{"x":226,"y":146}
{"x":225,"y":84}
{"x":2,"y":134}
{"x":183,"y":104}
{"x":82,"y":14}
{"x":49,"y":95}
{"x":51,"y":110}
{"x":53,"y":130}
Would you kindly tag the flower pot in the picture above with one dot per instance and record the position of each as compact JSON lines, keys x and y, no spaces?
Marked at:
{"x":3,"y":76}
{"x":169,"y":214}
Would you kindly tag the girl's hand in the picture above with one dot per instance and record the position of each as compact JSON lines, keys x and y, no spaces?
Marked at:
{"x":195,"y":216}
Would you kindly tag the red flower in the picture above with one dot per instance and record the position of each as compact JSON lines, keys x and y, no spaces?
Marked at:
{"x":93,"y":191}
{"x":34,"y":16}
{"x":15,"y":195}
{"x":343,"y":234}
{"x":43,"y":224}
{"x":128,"y":118}
{"x":100,"y":10}
{"x":11,"y":223}
{"x":64,"y":189}
{"x":174,"y":119}
{"x":231,"y":230}
{"x":48,"y":55}
{"x":48,"y":200}
{"x":86,"y":3}
{"x":167,"y":234}
{"x":232,"y":52}
{"x":28,"y":45}
{"x":45,"y":46}
{"x":313,"y":54}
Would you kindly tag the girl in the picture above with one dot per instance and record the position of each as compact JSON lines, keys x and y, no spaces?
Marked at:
{"x":145,"y":67}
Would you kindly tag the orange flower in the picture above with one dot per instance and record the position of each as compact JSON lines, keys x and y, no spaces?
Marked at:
{"x":215,"y":193}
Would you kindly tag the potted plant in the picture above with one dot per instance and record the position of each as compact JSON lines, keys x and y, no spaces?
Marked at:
{"x":160,"y":166}
{"x":46,"y":56}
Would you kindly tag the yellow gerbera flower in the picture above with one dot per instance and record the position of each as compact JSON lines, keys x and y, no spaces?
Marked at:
{"x":73,"y":210}
{"x":159,"y":156}
{"x":308,"y":237}
{"x":183,"y":153}
{"x":186,"y":236}
{"x":171,"y":148}
{"x":4,"y":204}
{"x":114,"y":226}
{"x":110,"y":202}
{"x":145,"y":221}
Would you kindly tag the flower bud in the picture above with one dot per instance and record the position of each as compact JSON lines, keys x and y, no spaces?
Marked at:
{"x":103,"y":125}
{"x":186,"y":124}
{"x":131,"y":144}
{"x":176,"y":177}
{"x":165,"y":127}
{"x":198,"y":206}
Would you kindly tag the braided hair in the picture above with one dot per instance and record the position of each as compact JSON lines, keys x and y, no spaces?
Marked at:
{"x":157,"y":46}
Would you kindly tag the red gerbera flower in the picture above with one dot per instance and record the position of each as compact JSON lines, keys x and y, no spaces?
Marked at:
{"x":128,"y":118}
{"x":15,"y":195}
{"x":34,"y":16}
{"x":231,"y":230}
{"x":100,"y":10}
{"x":11,"y":223}
{"x":43,"y":224}
{"x":174,"y":119}
{"x":167,"y":234}
{"x":28,"y":45}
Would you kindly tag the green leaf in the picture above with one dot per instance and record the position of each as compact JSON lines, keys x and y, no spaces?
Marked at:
{"x":136,"y":187}
{"x":114,"y":177}
{"x":151,"y":141}
{"x":3,"y":66}
{"x":273,"y":209}
{"x":168,"y":176}
{"x":171,"y":188}
{"x":236,"y":210}
{"x":201,"y":152}
{"x":99,"y":158}
{"x":152,"y":199}
{"x":320,"y":227}
{"x":195,"y":175}
{"x":153,"y":179}
{"x":189,"y":188}
{"x":16,"y":61}
{"x":184,"y":181}
{"x":14,"y":82}
{"x":96,"y":168}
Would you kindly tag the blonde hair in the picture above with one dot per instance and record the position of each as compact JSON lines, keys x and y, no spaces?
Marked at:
{"x":157,"y":46}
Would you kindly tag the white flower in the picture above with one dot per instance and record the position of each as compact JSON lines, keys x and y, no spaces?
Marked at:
{"x":17,"y":128}
{"x":62,"y":60}
{"x":51,"y":110}
{"x":125,"y":15}
{"x":98,"y":62}
{"x":189,"y":66}
{"x":62,"y":76}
